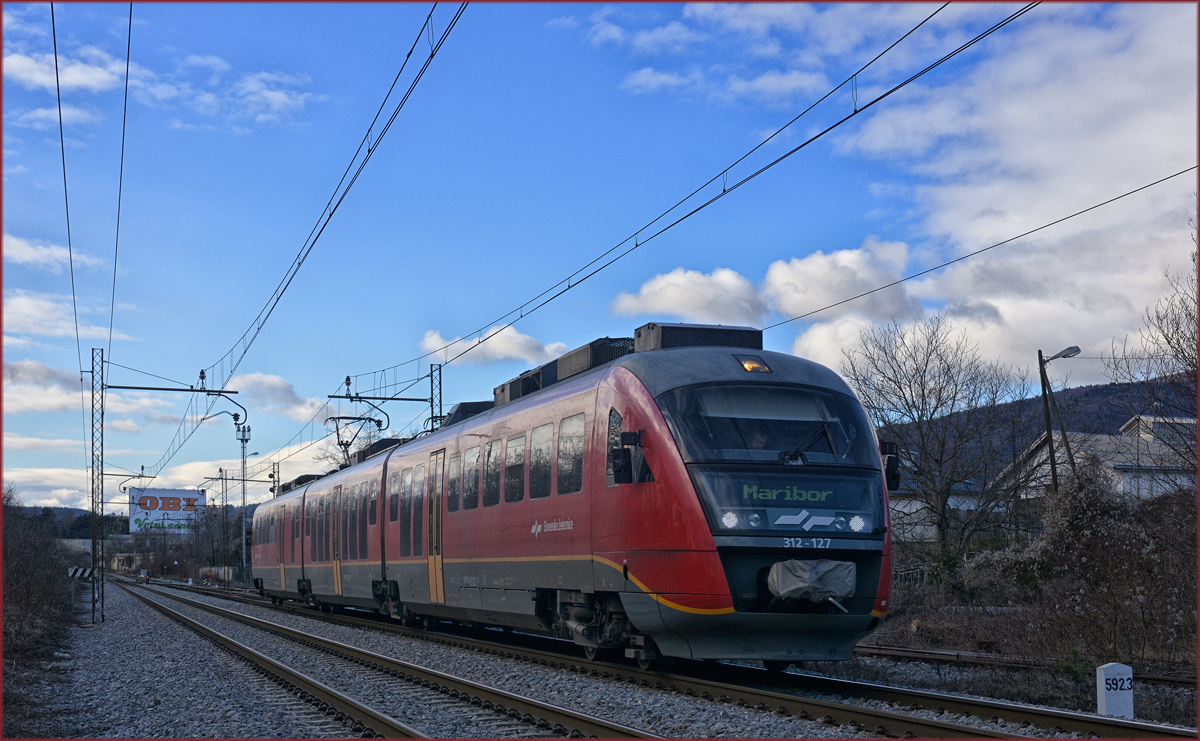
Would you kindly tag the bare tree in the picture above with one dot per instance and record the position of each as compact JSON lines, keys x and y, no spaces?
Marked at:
{"x":929,"y":391}
{"x":1163,"y":368}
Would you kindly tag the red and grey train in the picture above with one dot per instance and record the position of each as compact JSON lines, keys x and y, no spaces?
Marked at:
{"x":634,"y":494}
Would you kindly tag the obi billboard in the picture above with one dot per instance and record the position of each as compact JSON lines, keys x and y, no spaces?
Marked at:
{"x":164,"y":509}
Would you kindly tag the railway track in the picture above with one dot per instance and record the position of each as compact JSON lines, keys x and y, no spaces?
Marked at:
{"x":978,"y":658}
{"x":362,"y":719}
{"x":534,"y":715}
{"x":745,"y":689}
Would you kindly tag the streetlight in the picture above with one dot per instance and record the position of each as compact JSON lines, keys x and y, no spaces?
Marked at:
{"x":1047,"y":399}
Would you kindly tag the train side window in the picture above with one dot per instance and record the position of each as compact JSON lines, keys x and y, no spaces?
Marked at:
{"x":492,"y":453}
{"x":295,"y":530}
{"x":327,"y":527}
{"x":514,"y":469}
{"x":453,"y":483}
{"x":313,"y":556}
{"x":570,"y":455}
{"x":470,"y":497}
{"x":418,"y":517}
{"x":352,"y":525}
{"x":307,"y":516}
{"x":541,"y":447}
{"x":394,"y":498}
{"x":364,"y":499}
{"x":373,"y":503}
{"x":406,"y":512}
{"x":344,"y":522}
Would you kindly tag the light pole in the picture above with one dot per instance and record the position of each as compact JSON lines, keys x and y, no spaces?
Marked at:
{"x":242,"y":431}
{"x":1047,"y":398}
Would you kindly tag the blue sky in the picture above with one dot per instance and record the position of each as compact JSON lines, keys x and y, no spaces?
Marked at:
{"x":540,"y":136}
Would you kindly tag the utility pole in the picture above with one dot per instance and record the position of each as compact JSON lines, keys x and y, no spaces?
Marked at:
{"x":97,"y":482}
{"x":435,"y":395}
{"x":243,"y":436}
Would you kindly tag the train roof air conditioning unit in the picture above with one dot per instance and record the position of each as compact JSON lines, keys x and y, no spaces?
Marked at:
{"x":654,"y":336}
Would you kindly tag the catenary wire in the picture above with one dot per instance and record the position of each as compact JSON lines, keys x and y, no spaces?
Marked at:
{"x":979,"y":251}
{"x":526,"y":308}
{"x":145,"y":373}
{"x":247,"y":339}
{"x":526,"y":311}
{"x":120,"y":183}
{"x":62,"y":141}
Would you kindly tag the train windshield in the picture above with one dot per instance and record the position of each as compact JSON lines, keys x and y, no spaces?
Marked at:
{"x":791,"y":425}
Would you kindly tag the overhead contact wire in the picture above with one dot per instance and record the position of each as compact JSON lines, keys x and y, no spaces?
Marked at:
{"x":120,"y":183}
{"x":572,"y":283}
{"x":979,"y":251}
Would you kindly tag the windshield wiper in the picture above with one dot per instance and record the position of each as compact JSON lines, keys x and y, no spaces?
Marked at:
{"x":798,"y":453}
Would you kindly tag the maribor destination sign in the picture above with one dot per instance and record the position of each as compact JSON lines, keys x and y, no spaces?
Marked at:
{"x":164,"y":509}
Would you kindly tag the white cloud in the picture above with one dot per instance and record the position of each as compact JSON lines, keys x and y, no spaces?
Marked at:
{"x":1073,"y":109}
{"x":566,"y":21}
{"x":275,"y":394}
{"x":52,"y":257}
{"x":14,"y":441}
{"x":265,"y":95}
{"x":47,"y":118}
{"x":37,"y":72}
{"x":648,"y":80}
{"x":212,"y":61}
{"x":723,"y":297}
{"x":33,"y":386}
{"x":14,"y":23}
{"x":602,"y":30}
{"x":774,"y":85}
{"x":122,"y":425}
{"x":803,"y":284}
{"x":823,"y":342}
{"x":43,"y":315}
{"x":499,"y":343}
{"x":674,"y":38}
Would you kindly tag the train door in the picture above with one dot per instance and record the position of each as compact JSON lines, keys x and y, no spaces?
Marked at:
{"x":437,"y":593}
{"x":336,"y":521}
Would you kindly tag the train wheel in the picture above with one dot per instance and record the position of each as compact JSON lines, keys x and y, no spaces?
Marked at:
{"x":594,"y":653}
{"x":647,"y":664}
{"x":776,"y":667}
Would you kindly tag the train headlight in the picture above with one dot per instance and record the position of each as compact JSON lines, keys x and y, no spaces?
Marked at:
{"x":754,"y":520}
{"x":857,"y":524}
{"x":729,"y":520}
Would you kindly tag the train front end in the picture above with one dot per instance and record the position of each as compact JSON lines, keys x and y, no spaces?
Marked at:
{"x":788,"y":474}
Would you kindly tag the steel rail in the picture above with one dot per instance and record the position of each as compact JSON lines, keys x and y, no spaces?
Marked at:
{"x":1050,"y":719}
{"x":980,"y":658}
{"x":534,"y":711}
{"x":372,"y":721}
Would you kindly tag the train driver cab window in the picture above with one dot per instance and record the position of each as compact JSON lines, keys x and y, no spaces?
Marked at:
{"x":570,"y":455}
{"x":453,"y":483}
{"x":491,"y":473}
{"x":470,"y":493}
{"x":541,"y":445}
{"x":394,"y":499}
{"x":514,"y":469}
{"x":373,"y":504}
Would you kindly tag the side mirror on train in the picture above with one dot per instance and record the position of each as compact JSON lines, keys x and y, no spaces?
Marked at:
{"x":891,"y":464}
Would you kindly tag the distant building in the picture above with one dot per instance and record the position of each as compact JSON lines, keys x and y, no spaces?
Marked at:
{"x":1140,"y":461}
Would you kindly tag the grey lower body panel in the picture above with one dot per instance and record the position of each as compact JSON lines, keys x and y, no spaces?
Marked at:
{"x":747,"y":635}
